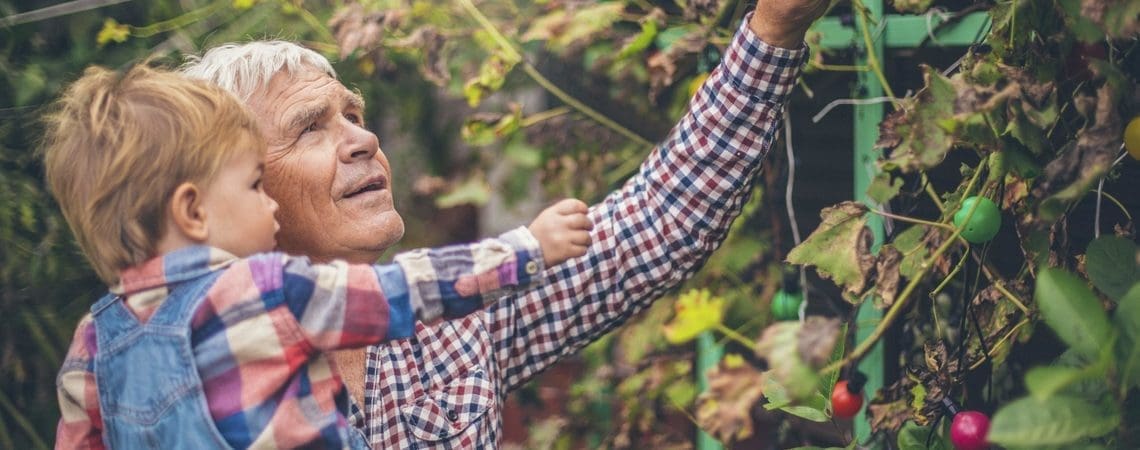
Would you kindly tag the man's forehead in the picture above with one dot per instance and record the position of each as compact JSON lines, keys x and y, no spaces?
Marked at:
{"x":308,"y":86}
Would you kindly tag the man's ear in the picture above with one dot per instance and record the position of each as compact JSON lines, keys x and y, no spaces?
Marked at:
{"x":187,"y":215}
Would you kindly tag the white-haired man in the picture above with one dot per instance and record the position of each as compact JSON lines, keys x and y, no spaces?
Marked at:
{"x":445,"y":386}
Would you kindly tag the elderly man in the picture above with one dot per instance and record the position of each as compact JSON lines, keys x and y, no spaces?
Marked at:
{"x":445,"y":386}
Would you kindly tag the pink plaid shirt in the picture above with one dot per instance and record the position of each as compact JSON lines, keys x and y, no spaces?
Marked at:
{"x":265,"y":322}
{"x":445,"y":387}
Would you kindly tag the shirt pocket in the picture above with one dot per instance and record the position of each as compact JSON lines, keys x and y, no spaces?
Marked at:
{"x":447,"y":412}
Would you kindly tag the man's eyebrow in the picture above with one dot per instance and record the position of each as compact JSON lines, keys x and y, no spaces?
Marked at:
{"x":307,"y":115}
{"x":354,"y":100}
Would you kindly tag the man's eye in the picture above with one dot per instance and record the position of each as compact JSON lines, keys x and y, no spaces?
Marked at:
{"x":354,"y":118}
{"x":257,"y":185}
{"x":312,"y":127}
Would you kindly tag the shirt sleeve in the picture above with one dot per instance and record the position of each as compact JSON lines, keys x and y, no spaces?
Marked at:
{"x":661,"y":226}
{"x":80,"y":424}
{"x":340,"y":305}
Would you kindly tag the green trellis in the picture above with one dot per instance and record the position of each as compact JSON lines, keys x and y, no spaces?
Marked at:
{"x":871,"y":33}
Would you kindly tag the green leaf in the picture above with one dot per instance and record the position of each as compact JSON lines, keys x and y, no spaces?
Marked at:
{"x":562,"y":27}
{"x":840,"y":248}
{"x":1084,"y":29}
{"x":829,"y":379}
{"x":884,"y":187}
{"x":667,"y":37}
{"x":913,"y":437}
{"x":1060,"y":420}
{"x":475,"y":191}
{"x":814,"y":408}
{"x":1111,"y":264}
{"x":492,"y":74}
{"x":778,"y":346}
{"x":913,"y":249}
{"x":1072,"y":310}
{"x":112,"y":31}
{"x":913,"y":133}
{"x":1127,"y":320}
{"x":1045,"y":381}
{"x":912,"y":6}
{"x":640,"y":42}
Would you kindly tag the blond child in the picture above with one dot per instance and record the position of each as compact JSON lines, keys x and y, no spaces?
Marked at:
{"x":206,"y":339}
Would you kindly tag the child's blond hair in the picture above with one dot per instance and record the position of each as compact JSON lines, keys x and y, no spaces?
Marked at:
{"x":119,"y":143}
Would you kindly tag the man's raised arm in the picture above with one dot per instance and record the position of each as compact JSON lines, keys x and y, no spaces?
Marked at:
{"x":661,"y":226}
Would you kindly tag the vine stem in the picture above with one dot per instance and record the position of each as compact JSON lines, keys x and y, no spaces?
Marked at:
{"x":177,"y":22}
{"x":542,"y":116}
{"x":872,"y":58}
{"x":534,"y":74}
{"x":904,"y":298}
{"x":999,"y":284}
{"x":949,"y":276}
{"x":839,"y":67}
{"x":994,"y":349}
{"x":930,"y":191}
{"x":732,"y":334}
{"x":911,"y":219}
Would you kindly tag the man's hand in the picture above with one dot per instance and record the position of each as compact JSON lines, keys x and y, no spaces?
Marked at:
{"x":783,"y":23}
{"x":563,"y":231}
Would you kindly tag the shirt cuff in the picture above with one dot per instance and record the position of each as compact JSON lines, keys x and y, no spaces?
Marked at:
{"x":762,"y":71}
{"x":529,"y":255}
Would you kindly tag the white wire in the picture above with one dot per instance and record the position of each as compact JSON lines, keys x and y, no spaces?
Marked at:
{"x":790,"y":206}
{"x":791,"y":175}
{"x":942,"y":16}
{"x":850,"y":101}
{"x":1100,"y":193}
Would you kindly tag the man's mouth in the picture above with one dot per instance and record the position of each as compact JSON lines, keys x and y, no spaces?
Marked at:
{"x":372,"y":184}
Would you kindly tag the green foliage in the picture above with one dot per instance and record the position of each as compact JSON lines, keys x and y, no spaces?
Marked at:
{"x":1112,"y":265}
{"x":1059,"y":420}
{"x":1073,"y":311}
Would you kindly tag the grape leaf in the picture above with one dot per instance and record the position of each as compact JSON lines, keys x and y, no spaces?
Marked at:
{"x":840,"y":248}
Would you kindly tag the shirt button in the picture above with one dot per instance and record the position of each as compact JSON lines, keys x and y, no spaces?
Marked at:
{"x":453,"y":415}
{"x":531,"y":267}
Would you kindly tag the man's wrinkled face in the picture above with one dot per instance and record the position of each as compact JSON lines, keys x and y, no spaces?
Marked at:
{"x":325,"y":170}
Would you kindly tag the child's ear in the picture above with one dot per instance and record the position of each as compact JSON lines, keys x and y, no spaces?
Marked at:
{"x":187,"y":214}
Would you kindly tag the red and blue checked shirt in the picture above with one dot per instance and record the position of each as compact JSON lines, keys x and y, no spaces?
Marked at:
{"x":242,"y":334}
{"x":445,"y":387}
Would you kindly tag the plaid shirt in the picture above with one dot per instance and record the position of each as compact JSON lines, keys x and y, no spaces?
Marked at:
{"x":264,"y":323}
{"x":445,"y":387}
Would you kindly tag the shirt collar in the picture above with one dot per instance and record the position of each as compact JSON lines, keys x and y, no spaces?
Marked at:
{"x":173,"y":267}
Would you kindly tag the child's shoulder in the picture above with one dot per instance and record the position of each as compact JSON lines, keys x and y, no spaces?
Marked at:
{"x":82,"y":348}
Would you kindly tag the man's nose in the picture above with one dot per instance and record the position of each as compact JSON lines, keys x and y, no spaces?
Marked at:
{"x":359,"y":143}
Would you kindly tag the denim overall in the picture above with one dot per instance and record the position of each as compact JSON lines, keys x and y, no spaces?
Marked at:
{"x":150,"y":394}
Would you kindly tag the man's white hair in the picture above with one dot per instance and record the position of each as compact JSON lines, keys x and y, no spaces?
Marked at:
{"x":243,"y":69}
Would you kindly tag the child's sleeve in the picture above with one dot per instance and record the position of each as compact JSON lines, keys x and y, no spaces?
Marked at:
{"x":340,"y":305}
{"x":80,"y":422}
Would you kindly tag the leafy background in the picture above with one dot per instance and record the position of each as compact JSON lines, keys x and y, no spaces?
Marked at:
{"x":489,"y":109}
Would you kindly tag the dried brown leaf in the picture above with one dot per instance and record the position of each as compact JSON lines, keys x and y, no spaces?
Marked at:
{"x":888,"y":274}
{"x":725,"y":409}
{"x":815,"y":341}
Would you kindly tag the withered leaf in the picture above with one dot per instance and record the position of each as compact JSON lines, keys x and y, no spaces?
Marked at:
{"x":816,"y":339}
{"x":354,"y":28}
{"x":840,"y":248}
{"x":889,"y":416}
{"x":779,"y":346}
{"x":1066,"y":179}
{"x":725,"y":409}
{"x":887,"y":274}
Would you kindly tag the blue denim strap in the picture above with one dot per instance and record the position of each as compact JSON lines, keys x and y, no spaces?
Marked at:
{"x":112,"y":319}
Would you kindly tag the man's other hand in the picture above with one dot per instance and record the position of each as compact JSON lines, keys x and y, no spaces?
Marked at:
{"x":783,"y":23}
